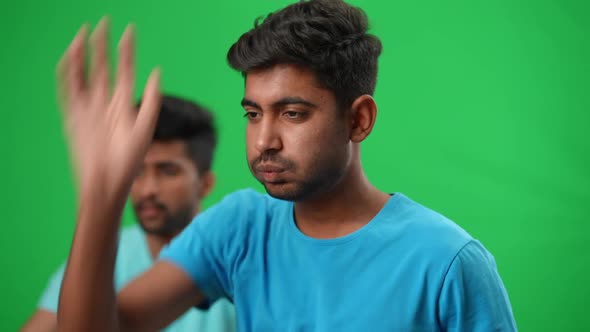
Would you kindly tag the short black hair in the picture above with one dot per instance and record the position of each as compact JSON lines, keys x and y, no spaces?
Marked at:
{"x":182,"y":119}
{"x":329,"y":37}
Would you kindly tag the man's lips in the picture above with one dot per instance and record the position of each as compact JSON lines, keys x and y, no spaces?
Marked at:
{"x":150,"y":211}
{"x":269,"y":173}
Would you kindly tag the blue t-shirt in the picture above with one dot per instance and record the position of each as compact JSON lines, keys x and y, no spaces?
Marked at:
{"x":408,"y":269}
{"x":133,"y":258}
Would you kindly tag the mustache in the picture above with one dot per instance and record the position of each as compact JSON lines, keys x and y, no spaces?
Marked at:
{"x":150,"y":201}
{"x":272,"y":158}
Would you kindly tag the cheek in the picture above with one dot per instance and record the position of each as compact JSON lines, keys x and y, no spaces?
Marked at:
{"x":303,"y":142}
{"x":250,"y":143}
{"x":299,"y":151}
{"x":134,"y":193}
{"x":316,"y":144}
{"x":178,"y":191}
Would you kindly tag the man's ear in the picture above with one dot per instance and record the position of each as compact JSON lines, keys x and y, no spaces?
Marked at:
{"x":363,"y":116}
{"x":207,"y":184}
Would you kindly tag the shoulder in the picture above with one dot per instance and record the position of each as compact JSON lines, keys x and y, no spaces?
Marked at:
{"x":131,"y":232}
{"x":241,"y":209}
{"x":248,"y":200}
{"x":131,"y":240}
{"x":133,"y":255}
{"x":473,"y":257}
{"x":473,"y":296}
{"x":130,"y":235}
{"x":237,"y":216}
{"x":425,"y":230}
{"x":243,"y":201}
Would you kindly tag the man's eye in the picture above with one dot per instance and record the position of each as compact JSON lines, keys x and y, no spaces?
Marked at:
{"x":294,"y":115}
{"x":252,"y":115}
{"x":169,"y":171}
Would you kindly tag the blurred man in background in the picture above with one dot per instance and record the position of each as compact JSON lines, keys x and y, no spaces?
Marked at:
{"x":166,"y":194}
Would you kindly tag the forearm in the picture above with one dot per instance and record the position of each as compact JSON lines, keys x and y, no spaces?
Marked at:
{"x":41,"y":321}
{"x":88,"y":299}
{"x":108,"y":140}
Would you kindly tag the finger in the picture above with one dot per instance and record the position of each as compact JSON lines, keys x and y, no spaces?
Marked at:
{"x":149,"y":110}
{"x":70,"y":68}
{"x":99,"y":66}
{"x":126,"y":67}
{"x":75,"y":67}
{"x":60,"y":79}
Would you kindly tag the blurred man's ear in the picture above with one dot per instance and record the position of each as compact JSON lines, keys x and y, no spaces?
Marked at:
{"x":207,"y":184}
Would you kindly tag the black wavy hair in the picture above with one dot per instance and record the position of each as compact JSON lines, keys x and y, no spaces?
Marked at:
{"x":328,"y":37}
{"x":182,"y":119}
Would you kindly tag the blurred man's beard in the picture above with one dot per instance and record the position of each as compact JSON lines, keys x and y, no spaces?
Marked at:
{"x":172,"y":223}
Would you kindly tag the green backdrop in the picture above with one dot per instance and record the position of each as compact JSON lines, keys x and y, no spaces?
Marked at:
{"x":483,"y":116}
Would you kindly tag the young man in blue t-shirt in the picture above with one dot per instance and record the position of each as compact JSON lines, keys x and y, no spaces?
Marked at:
{"x":324,"y":250}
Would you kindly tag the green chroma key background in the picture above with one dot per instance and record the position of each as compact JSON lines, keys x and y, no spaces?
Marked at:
{"x":483,"y":116}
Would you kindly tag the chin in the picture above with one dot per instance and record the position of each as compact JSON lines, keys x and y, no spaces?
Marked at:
{"x":285,"y":191}
{"x":299,"y":191}
{"x":153,"y":227}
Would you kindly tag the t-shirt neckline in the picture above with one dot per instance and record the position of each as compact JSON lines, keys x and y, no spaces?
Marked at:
{"x":391,"y":204}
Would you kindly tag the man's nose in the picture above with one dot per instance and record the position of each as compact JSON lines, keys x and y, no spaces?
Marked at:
{"x":149,"y":185}
{"x":267,"y":136}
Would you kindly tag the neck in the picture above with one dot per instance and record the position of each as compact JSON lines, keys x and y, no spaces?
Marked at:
{"x":157,"y":242}
{"x":347,"y":207}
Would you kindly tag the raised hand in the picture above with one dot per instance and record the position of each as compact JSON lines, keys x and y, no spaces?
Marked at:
{"x":108,"y":139}
{"x":107,"y":136}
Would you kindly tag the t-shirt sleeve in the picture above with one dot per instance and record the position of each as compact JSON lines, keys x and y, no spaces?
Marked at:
{"x":50,"y":298}
{"x":207,"y":247}
{"x":473,"y":297}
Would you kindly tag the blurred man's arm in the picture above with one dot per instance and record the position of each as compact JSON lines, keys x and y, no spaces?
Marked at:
{"x":175,"y":294}
{"x":157,"y":298}
{"x":45,"y":317}
{"x":41,"y":321}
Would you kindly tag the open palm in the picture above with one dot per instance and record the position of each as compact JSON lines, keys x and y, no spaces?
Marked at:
{"x":107,"y":136}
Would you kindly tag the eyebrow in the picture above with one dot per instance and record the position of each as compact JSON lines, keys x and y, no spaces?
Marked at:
{"x":281,"y":102}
